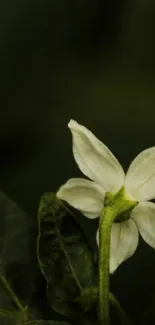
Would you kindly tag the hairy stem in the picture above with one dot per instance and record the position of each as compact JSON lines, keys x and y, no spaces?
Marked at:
{"x":104,"y":254}
{"x":115,"y":206}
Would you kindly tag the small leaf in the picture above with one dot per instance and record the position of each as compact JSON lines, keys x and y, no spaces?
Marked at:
{"x":64,"y":256}
{"x":122,"y":315}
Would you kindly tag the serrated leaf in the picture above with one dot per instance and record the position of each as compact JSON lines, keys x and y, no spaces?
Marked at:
{"x":63,"y":253}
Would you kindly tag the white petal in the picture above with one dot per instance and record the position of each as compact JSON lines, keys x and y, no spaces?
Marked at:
{"x":124,"y":241}
{"x":83,"y":195}
{"x":140,"y":178}
{"x":94,"y":159}
{"x":144,"y":216}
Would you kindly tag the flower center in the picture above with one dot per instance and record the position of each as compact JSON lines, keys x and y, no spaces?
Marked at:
{"x":121,"y":203}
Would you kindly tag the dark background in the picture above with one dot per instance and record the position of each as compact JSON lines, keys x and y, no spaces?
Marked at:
{"x":93,"y":61}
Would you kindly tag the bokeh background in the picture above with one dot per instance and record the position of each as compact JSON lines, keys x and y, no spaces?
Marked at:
{"x":93,"y":61}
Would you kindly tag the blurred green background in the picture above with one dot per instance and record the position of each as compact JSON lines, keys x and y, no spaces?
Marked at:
{"x":93,"y":61}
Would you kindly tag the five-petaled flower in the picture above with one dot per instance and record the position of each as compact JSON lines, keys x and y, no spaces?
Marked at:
{"x":106,"y":174}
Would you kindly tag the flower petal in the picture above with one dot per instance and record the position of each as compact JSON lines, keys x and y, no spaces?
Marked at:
{"x":83,"y":195}
{"x":124,"y":241}
{"x":140,"y":178}
{"x":94,"y":159}
{"x":144,"y":216}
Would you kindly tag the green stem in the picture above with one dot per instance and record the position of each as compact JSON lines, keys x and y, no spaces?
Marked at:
{"x":121,"y":313}
{"x":114,"y":206}
{"x":15,"y":299}
{"x":106,"y":221}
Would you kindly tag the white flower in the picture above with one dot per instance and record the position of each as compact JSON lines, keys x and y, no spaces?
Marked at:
{"x":97,"y":162}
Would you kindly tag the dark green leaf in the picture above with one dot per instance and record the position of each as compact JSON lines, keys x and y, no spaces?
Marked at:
{"x":45,"y":322}
{"x":11,"y":317}
{"x":64,"y":256}
{"x":88,"y":298}
{"x":18,"y":260}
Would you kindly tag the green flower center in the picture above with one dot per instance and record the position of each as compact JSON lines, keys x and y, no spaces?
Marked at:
{"x":119,"y":199}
